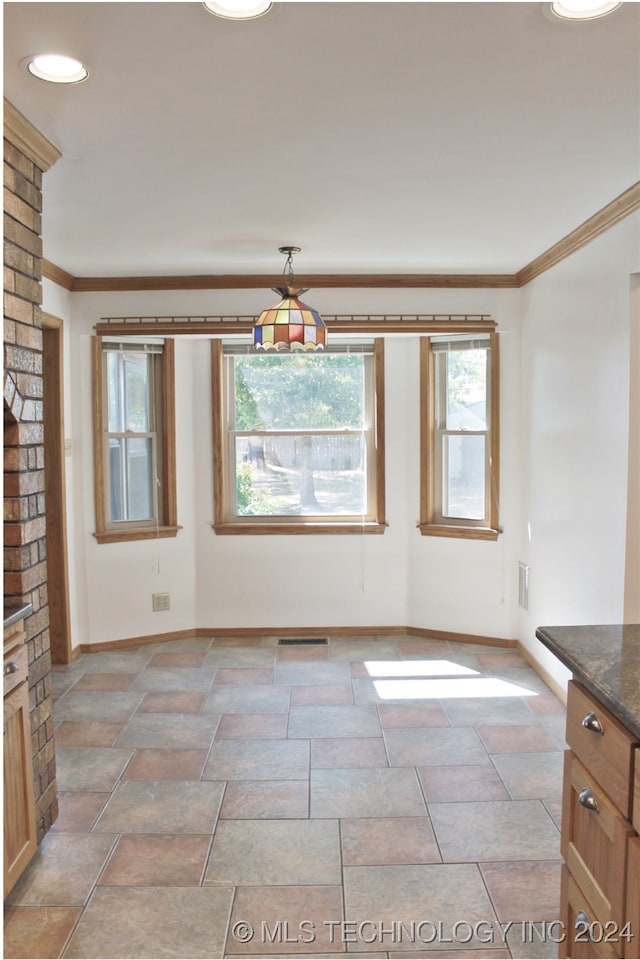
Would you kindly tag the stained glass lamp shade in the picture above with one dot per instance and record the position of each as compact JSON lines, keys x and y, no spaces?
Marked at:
{"x":289,"y":324}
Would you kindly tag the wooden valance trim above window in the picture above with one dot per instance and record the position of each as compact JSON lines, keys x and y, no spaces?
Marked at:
{"x":374,"y":324}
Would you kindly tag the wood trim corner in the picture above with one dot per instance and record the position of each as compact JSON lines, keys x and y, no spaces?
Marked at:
{"x":57,"y":275}
{"x":25,"y":137}
{"x":611,"y":214}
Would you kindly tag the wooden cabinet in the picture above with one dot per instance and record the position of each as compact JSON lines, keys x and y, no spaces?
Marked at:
{"x":581,"y":925}
{"x":604,"y":746}
{"x":599,"y":842}
{"x":635,"y":813}
{"x":594,"y":842}
{"x":633,"y":896}
{"x":19,"y":806}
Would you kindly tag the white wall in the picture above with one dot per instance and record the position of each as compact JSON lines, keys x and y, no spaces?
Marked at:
{"x":300,"y":581}
{"x":632,"y":559}
{"x":563,"y":501}
{"x":575,"y":434}
{"x":469,"y":586}
{"x":350,"y":580}
{"x":119,"y":578}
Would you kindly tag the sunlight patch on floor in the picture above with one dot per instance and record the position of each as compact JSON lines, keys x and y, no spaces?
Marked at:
{"x":417,"y":668}
{"x":449,"y":688}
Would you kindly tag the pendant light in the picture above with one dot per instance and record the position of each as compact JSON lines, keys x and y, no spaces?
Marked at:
{"x":289,"y":324}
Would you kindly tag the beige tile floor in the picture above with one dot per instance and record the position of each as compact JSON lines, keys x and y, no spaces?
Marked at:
{"x":390,"y":797}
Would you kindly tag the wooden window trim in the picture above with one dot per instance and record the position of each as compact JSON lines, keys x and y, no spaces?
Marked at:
{"x":428,"y":525}
{"x":223,"y":526}
{"x":170,"y":527}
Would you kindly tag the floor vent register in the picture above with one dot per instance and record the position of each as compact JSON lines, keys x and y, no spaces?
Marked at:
{"x":302,"y":641}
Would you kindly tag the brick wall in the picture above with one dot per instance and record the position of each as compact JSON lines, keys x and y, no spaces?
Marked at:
{"x":25,"y":549}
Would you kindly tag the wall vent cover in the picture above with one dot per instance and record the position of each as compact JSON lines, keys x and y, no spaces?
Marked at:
{"x":302,"y":641}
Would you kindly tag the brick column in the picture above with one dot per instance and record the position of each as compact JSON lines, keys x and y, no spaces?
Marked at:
{"x":27,"y":154}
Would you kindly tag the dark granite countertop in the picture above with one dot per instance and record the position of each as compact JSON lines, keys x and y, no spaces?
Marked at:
{"x":606,"y":660}
{"x":16,"y":612}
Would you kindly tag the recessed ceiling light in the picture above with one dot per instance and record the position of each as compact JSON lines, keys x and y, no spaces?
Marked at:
{"x":239,"y":9}
{"x":56,"y":68}
{"x":582,"y":9}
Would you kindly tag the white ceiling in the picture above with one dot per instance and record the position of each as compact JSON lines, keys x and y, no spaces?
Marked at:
{"x":379,"y":137}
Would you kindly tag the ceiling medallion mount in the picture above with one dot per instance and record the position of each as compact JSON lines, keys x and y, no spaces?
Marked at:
{"x":289,"y":325}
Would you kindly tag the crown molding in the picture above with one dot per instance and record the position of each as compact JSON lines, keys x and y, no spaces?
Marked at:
{"x":25,"y":137}
{"x":263,"y":281}
{"x":628,"y":202}
{"x":51,"y":272}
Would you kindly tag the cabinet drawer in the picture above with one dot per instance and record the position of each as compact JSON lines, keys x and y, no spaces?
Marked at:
{"x":15,"y":668}
{"x":594,"y":842}
{"x":602,"y":744}
{"x":586,"y":938}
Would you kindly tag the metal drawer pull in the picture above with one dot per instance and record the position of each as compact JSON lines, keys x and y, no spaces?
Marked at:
{"x":592,"y":723}
{"x":582,"y":921}
{"x":587,"y":799}
{"x":11,"y":667}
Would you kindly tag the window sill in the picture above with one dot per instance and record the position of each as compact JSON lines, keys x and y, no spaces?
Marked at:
{"x":298,"y":528}
{"x":139,"y":533}
{"x":462,"y":533}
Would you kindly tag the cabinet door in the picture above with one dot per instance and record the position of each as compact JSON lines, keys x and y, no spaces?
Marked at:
{"x":586,"y":938}
{"x":636,"y":791}
{"x":594,"y":842}
{"x":19,"y":805}
{"x":633,"y":898}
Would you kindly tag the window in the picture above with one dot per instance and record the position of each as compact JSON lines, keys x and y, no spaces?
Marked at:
{"x":299,"y":440}
{"x":134,"y":440}
{"x":459,"y":436}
